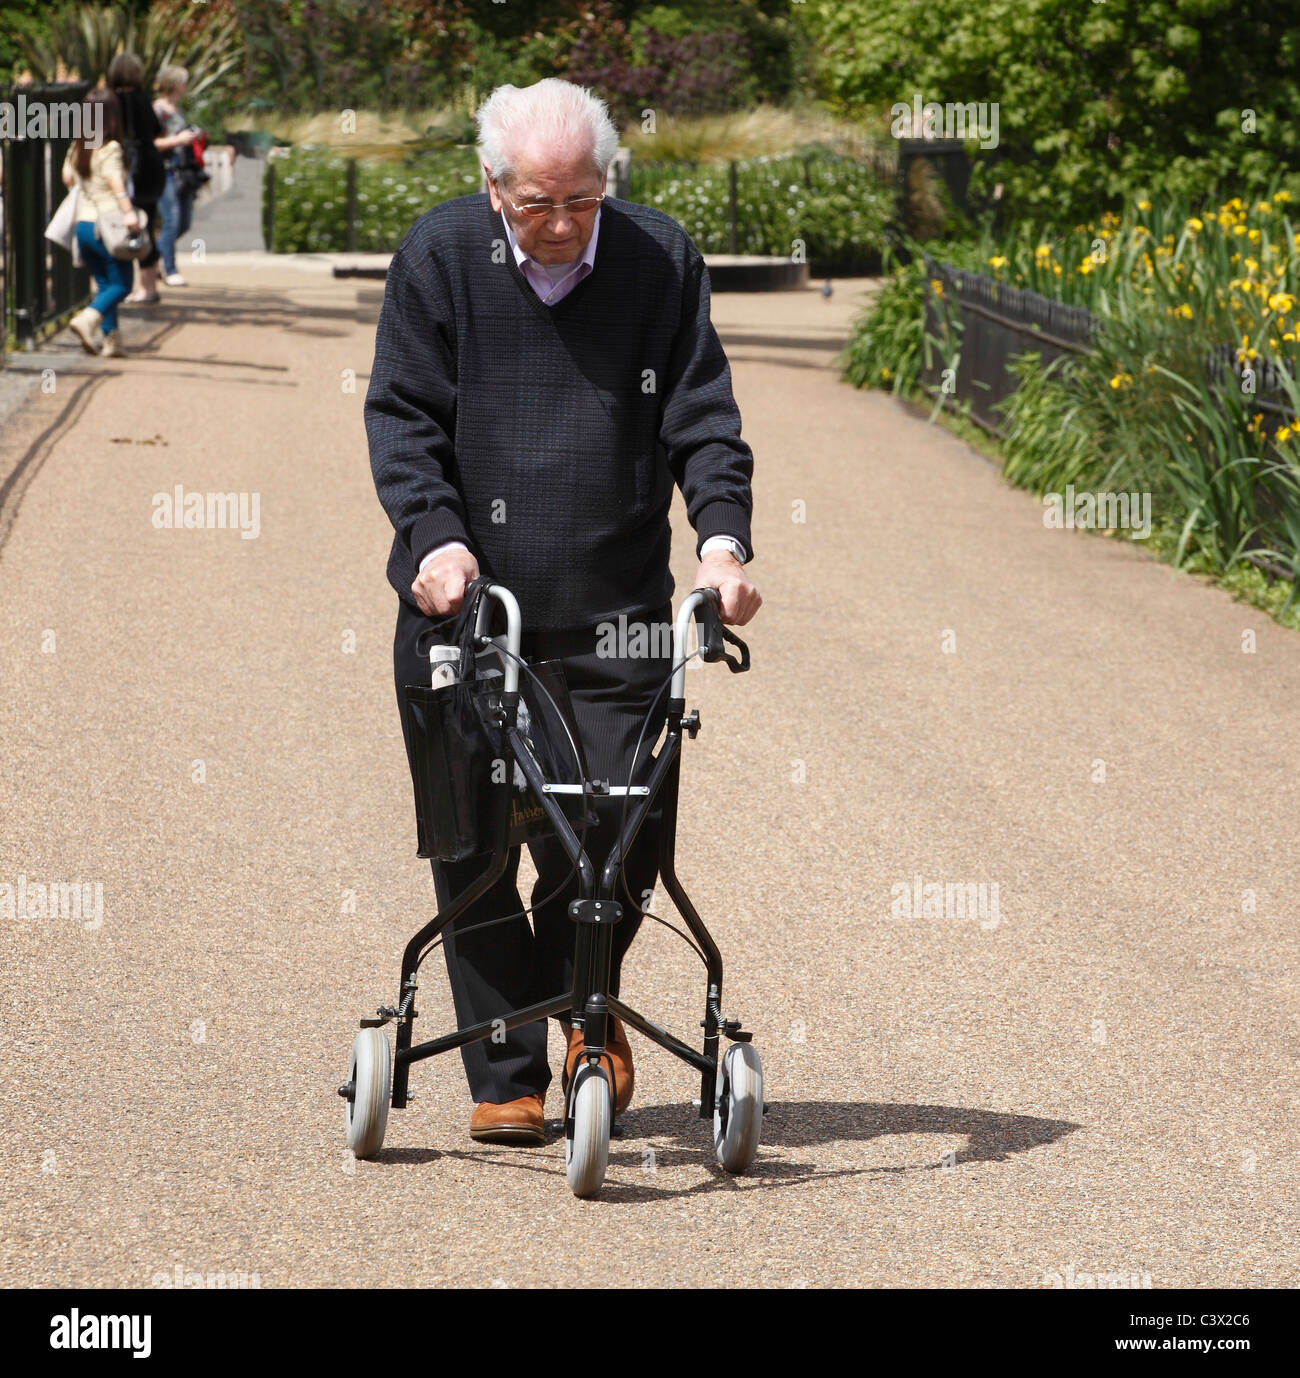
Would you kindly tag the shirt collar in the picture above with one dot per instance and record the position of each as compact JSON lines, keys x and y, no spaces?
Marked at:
{"x":588,"y":254}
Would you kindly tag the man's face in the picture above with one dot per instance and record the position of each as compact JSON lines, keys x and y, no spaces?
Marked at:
{"x":541,"y":175}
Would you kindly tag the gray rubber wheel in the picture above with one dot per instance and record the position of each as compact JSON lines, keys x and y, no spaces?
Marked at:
{"x":738,"y":1108}
{"x":371,"y":1074}
{"x":586,"y":1141}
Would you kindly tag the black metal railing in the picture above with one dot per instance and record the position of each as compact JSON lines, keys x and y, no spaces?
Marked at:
{"x":996,"y":324}
{"x":984,"y":325}
{"x":41,"y":283}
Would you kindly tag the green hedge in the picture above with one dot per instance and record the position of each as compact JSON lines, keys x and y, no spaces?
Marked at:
{"x":311,"y":198}
{"x":835,"y":205}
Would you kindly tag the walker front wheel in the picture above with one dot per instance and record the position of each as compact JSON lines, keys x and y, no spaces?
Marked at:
{"x":369,"y":1084}
{"x":738,"y":1108}
{"x":586,"y":1130}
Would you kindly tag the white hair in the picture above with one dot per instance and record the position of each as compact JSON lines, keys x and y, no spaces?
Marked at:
{"x":171,"y":79}
{"x":555,"y":112}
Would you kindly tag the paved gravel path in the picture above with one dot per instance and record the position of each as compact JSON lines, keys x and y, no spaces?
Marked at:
{"x":1096,"y":1076}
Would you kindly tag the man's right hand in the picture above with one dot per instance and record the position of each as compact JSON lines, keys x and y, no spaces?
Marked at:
{"x":440,"y":586}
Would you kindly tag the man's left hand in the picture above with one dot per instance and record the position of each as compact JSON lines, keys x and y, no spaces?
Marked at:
{"x":720,"y":570}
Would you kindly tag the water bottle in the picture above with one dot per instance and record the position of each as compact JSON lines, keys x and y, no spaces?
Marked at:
{"x":445,"y":661}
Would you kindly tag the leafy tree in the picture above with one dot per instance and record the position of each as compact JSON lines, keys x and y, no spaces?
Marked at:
{"x":84,"y":39}
{"x":23,"y":19}
{"x":691,"y":57}
{"x":1095,"y":100}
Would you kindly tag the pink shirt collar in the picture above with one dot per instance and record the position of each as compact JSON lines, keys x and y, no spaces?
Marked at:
{"x":549,"y":289}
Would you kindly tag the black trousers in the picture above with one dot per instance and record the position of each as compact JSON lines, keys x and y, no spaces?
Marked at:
{"x":613,"y":681}
{"x":150,"y":210}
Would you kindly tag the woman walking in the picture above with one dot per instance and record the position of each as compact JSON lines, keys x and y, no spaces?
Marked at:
{"x":100,"y":173}
{"x":177,"y":203}
{"x":144,"y":159}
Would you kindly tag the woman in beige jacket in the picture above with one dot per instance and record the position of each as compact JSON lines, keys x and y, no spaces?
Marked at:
{"x":100,"y":173}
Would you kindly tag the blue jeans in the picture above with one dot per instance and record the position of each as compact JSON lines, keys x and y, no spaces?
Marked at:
{"x":177,"y":217}
{"x":113,"y":276}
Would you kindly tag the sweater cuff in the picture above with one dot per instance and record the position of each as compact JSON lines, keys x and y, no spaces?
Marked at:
{"x":723,"y":519}
{"x":434,"y":529}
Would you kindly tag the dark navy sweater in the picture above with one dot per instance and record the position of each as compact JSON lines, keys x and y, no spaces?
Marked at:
{"x":548,"y":438}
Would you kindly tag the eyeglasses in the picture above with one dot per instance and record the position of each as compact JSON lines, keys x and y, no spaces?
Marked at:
{"x":576,"y":205}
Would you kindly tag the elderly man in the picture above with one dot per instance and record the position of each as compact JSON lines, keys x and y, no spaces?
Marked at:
{"x":545,"y":370}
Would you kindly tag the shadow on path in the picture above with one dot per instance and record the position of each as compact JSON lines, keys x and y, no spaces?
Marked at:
{"x":991,"y":1137}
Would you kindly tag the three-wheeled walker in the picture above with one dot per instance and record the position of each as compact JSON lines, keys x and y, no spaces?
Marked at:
{"x":731,"y":1088}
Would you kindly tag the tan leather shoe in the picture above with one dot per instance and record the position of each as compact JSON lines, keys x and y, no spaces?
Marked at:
{"x":516,"y":1122}
{"x":617,"y":1061}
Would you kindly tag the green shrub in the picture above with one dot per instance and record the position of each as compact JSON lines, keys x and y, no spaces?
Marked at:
{"x":833,"y":204}
{"x":889,"y":343}
{"x":311,"y":198}
{"x":1141,"y":411}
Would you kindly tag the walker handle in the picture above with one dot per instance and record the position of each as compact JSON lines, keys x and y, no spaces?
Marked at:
{"x":502,"y":595}
{"x":707,"y":604}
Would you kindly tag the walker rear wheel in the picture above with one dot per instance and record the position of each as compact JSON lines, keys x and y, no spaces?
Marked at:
{"x":586,"y":1130}
{"x":738,"y":1108}
{"x":370,"y":1075}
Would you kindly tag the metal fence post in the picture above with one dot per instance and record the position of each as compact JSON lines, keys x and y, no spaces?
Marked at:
{"x":350,"y":199}
{"x":731,"y":207}
{"x":26,"y":194}
{"x":268,"y":207}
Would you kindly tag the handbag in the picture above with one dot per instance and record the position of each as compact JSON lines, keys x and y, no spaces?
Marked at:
{"x":121,"y":242}
{"x":62,"y":229}
{"x":188,"y":172}
{"x":470,"y":796}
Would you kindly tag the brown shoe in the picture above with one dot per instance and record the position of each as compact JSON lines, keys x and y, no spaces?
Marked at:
{"x":617,"y":1061}
{"x":516,"y":1122}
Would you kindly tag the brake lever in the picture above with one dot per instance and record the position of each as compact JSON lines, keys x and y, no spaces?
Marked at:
{"x":709,"y":615}
{"x":713,"y":633}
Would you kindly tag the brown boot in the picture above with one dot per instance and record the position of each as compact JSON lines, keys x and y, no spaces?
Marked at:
{"x":516,"y":1122}
{"x":617,"y":1061}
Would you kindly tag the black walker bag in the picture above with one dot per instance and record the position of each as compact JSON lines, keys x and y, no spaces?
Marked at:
{"x":470,"y":796}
